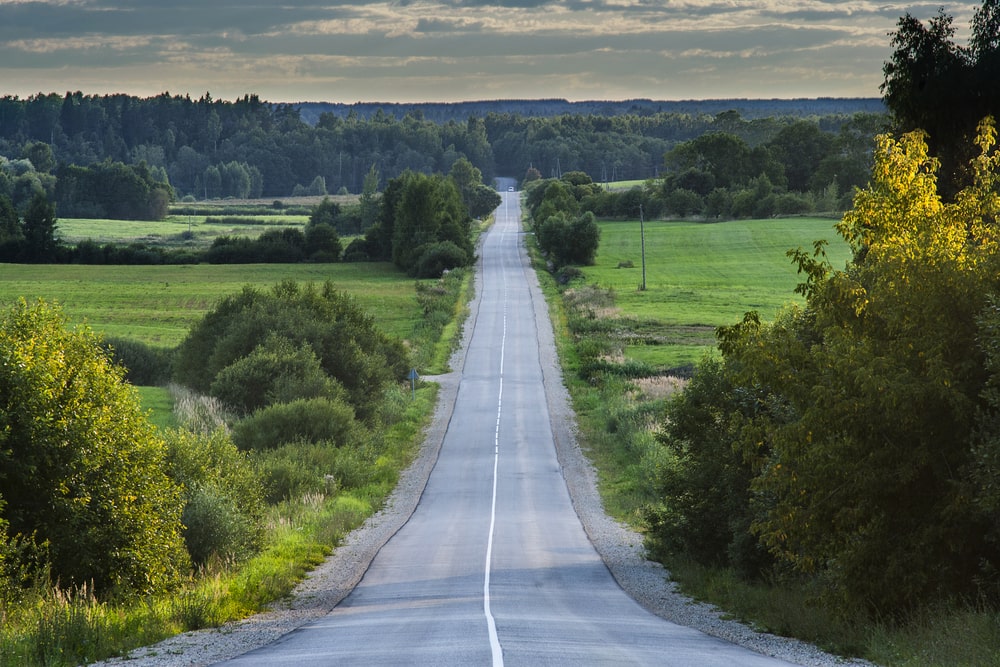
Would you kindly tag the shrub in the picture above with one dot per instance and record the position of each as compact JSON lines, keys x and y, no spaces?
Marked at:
{"x":308,"y":419}
{"x":274,"y":372}
{"x":435,"y":258}
{"x":223,"y":500}
{"x":82,"y":468}
{"x":144,"y":364}
{"x":350,"y":348}
{"x":702,"y":482}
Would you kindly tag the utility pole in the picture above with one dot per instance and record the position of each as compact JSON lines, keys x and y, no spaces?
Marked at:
{"x":642,"y":237}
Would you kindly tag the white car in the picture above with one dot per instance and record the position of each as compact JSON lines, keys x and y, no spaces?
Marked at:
{"x":510,"y":189}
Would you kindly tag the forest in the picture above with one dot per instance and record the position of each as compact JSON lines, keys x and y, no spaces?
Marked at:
{"x":119,"y":156}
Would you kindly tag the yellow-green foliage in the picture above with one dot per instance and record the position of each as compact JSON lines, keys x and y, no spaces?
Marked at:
{"x":863,"y":439}
{"x":81,"y":468}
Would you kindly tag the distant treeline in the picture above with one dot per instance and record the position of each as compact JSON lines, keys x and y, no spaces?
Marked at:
{"x":442,"y":112}
{"x":206,"y":149}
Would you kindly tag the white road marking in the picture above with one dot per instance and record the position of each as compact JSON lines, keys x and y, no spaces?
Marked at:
{"x":495,"y":648}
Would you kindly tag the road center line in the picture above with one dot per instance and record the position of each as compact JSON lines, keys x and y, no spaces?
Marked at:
{"x":495,"y":648}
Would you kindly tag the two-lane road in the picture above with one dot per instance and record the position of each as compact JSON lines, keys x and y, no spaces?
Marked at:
{"x":494,"y":567}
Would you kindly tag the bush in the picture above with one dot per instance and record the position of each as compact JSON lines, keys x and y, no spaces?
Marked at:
{"x":703,"y":483}
{"x":83,"y":469}
{"x":223,"y":500}
{"x":350,"y":348}
{"x":144,"y":364}
{"x":274,"y":372}
{"x":308,"y":420}
{"x":436,"y":258}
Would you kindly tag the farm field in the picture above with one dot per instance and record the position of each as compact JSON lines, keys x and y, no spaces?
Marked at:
{"x":702,"y":275}
{"x":175,"y":231}
{"x":158,"y":304}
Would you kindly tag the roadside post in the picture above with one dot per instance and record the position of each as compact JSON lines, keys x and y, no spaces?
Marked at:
{"x":413,"y":383}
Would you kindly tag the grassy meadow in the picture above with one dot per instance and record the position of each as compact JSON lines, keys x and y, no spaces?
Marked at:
{"x":175,"y":231}
{"x":158,"y":304}
{"x":700,"y":276}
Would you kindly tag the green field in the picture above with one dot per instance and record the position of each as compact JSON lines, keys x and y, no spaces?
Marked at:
{"x":158,"y":304}
{"x":703,"y":275}
{"x":174,"y":231}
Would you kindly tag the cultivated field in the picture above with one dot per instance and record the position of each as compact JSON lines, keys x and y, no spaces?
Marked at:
{"x":158,"y":304}
{"x":700,"y":276}
{"x":176,"y":231}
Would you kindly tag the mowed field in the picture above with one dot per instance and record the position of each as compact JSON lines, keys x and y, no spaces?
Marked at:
{"x":175,"y":231}
{"x":703,"y":275}
{"x":158,"y":304}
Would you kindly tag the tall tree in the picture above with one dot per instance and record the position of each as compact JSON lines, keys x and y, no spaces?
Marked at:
{"x":867,"y":399}
{"x":40,"y":243}
{"x":935,"y":85}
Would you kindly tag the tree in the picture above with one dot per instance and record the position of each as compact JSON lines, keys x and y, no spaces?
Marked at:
{"x":369,"y":199}
{"x":935,"y":85}
{"x":10,"y":223}
{"x":81,"y":467}
{"x":40,"y":243}
{"x":429,"y":210}
{"x":351,"y":349}
{"x":871,"y":392}
{"x":41,"y":156}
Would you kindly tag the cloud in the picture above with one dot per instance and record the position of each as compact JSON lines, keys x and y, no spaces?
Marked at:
{"x":450,"y":49}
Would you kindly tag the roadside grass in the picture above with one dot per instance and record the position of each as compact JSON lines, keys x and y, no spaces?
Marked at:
{"x":669,"y":327}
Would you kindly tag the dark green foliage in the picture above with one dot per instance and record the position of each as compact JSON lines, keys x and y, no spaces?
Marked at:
{"x":436,"y":258}
{"x":273,"y":246}
{"x":81,"y":467}
{"x":429,"y":210}
{"x":702,"y":481}
{"x":112,"y":190}
{"x":144,"y":364}
{"x":565,"y":237}
{"x":274,"y":372}
{"x":935,"y":85}
{"x":39,"y":230}
{"x":304,"y":420}
{"x":223,"y":501}
{"x":321,"y":240}
{"x":351,"y":350}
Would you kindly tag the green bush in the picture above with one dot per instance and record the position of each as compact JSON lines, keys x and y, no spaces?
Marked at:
{"x":274,"y":372}
{"x":307,"y":419}
{"x":144,"y":365}
{"x":434,"y":259}
{"x":223,"y":500}
{"x":703,"y":484}
{"x":345,"y":339}
{"x":82,"y":468}
{"x":295,"y":469}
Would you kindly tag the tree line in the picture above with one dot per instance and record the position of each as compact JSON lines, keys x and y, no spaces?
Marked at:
{"x":249,"y":148}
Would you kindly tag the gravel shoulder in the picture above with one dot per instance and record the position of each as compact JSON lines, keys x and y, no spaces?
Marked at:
{"x":620,"y":547}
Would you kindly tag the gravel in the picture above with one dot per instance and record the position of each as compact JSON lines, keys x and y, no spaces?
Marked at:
{"x":619,"y":546}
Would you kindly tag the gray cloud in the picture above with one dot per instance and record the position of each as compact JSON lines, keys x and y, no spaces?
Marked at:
{"x":451,"y":49}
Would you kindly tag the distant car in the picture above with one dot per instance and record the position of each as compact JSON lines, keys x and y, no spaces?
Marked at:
{"x":510,"y":189}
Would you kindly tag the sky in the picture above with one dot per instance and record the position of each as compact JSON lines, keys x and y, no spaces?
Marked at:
{"x":453,"y":50}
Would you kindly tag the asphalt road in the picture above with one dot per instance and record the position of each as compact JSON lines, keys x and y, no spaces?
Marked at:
{"x":494,"y":567}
